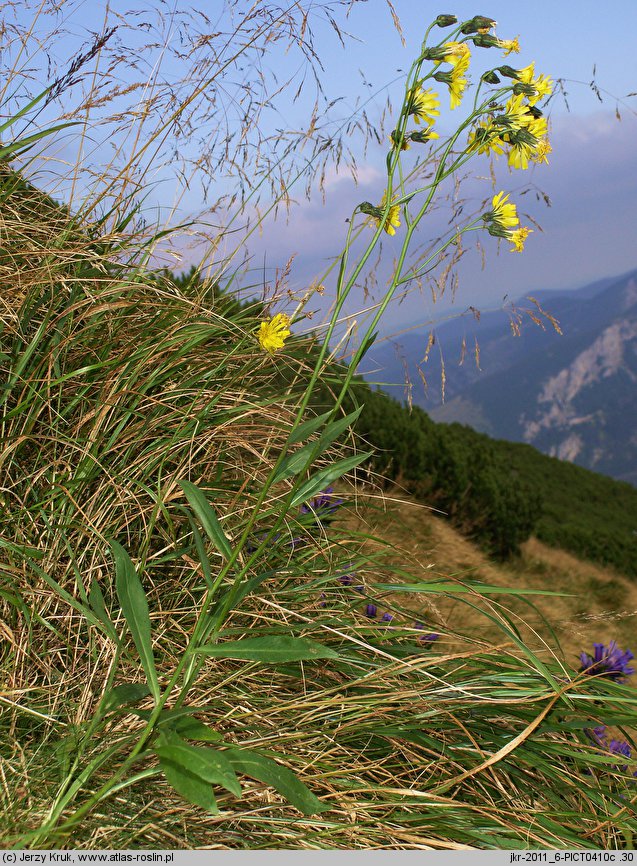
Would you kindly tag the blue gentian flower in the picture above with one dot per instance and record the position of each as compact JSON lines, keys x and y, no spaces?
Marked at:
{"x":607,"y":661}
{"x":323,"y":506}
{"x":386,"y":617}
{"x":371,"y":610}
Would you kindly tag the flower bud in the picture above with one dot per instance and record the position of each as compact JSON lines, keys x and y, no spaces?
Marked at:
{"x":485,"y":40}
{"x":477,"y":23}
{"x":368,"y":208}
{"x":371,"y":611}
{"x":490,"y":77}
{"x":508,"y":71}
{"x":534,"y":111}
{"x":446,"y":20}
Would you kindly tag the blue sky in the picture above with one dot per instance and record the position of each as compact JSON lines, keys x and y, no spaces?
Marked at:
{"x":588,"y":231}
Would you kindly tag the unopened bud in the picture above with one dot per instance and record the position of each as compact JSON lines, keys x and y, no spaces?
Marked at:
{"x":368,"y":208}
{"x":508,"y":71}
{"x":532,"y":109}
{"x":485,"y":40}
{"x":490,"y":77}
{"x":446,"y":20}
{"x":477,"y":23}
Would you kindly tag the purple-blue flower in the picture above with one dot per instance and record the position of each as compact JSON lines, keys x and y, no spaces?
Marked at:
{"x":371,"y":610}
{"x":322,"y":506}
{"x":607,"y":661}
{"x":386,"y":617}
{"x":432,"y":636}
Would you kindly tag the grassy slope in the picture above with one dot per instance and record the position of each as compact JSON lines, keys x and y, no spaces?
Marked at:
{"x":602,"y":604}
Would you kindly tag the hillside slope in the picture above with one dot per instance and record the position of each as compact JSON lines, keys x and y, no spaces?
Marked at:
{"x":601,"y":605}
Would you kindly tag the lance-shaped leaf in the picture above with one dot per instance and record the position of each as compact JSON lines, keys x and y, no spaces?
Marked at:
{"x":280,"y":778}
{"x":209,"y":520}
{"x":270,"y":650}
{"x":305,"y":430}
{"x":295,"y":463}
{"x":208,"y":764}
{"x":321,"y":479}
{"x":124,"y":694}
{"x":192,"y":788}
{"x":135,"y":609}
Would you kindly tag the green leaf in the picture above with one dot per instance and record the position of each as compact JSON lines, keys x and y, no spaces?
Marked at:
{"x":98,"y":606}
{"x":295,"y":463}
{"x":280,"y":778}
{"x":334,"y":430}
{"x":192,"y":788}
{"x":270,"y":650}
{"x":208,"y":518}
{"x":305,"y":430}
{"x":124,"y":694}
{"x":321,"y":479}
{"x":135,"y":609}
{"x":30,"y":140}
{"x":478,"y":588}
{"x":367,"y":343}
{"x":193,"y":729}
{"x":180,"y":720}
{"x":208,"y":764}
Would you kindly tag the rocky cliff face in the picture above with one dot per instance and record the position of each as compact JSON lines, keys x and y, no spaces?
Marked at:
{"x":572,"y":396}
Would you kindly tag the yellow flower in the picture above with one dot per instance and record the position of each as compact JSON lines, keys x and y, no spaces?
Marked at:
{"x":518,"y":238}
{"x":510,"y":45}
{"x":456,"y":52}
{"x":398,"y":140}
{"x":485,"y":138}
{"x":274,"y":333}
{"x":423,"y":104}
{"x":542,"y":151}
{"x":538,"y":127}
{"x":516,"y":115}
{"x":519,"y":155}
{"x":504,"y":212}
{"x":458,"y":81}
{"x":542,"y":84}
{"x":392,"y":220}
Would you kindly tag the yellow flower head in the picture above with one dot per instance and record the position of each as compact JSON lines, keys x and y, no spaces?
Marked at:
{"x":456,"y":52}
{"x":274,"y":333}
{"x":516,"y":115}
{"x":485,"y":138}
{"x":504,"y":212}
{"x":392,"y":220}
{"x":518,"y":238}
{"x":542,"y":150}
{"x":538,"y":127}
{"x":519,"y":155}
{"x":458,"y":81}
{"x":510,"y":45}
{"x":423,"y":104}
{"x":542,"y":84}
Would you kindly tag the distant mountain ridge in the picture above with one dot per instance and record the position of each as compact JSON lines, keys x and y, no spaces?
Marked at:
{"x":571,"y":396}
